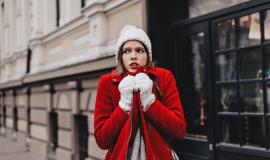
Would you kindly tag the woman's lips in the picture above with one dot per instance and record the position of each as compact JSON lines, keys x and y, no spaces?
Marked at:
{"x":134,"y":65}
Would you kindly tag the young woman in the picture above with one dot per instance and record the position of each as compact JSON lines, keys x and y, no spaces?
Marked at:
{"x":138,"y":111}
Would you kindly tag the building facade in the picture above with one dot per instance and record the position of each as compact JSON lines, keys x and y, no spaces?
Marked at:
{"x":52,"y":53}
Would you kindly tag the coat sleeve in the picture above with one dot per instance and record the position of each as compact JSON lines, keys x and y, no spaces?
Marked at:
{"x":107,"y":120}
{"x":168,"y":116}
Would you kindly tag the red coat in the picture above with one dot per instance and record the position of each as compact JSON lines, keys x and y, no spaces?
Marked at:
{"x":112,"y":125}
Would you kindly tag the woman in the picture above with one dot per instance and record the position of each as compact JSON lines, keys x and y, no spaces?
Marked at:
{"x":138,"y":111}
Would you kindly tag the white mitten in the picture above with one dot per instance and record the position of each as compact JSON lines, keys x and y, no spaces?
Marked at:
{"x":144,"y":84}
{"x":126,"y":87}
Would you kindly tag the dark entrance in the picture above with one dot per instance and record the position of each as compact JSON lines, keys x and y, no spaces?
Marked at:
{"x":194,"y":76}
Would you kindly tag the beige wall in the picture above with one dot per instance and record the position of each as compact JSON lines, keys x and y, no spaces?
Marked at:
{"x":118,"y":18}
{"x":87,"y":99}
{"x":85,"y":34}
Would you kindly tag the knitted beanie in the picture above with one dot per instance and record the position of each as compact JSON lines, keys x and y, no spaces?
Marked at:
{"x":130,"y":32}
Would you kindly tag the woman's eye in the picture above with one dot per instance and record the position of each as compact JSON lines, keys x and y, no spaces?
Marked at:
{"x":140,"y":51}
{"x":126,"y":51}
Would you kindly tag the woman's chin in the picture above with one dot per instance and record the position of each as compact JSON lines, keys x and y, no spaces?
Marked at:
{"x":132,"y":70}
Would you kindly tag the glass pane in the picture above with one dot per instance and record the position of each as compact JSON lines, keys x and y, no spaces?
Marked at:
{"x":230,"y":130}
{"x":227,"y":98}
{"x":226,"y":34}
{"x":226,"y":67}
{"x":268,"y":95}
{"x":53,"y":119}
{"x":267,"y":26}
{"x":201,"y":7}
{"x":267,"y":52}
{"x":254,"y":133}
{"x":198,"y":119}
{"x":249,"y":30}
{"x":267,"y":76}
{"x":251,"y":97}
{"x":268,"y":131}
{"x":250,"y":63}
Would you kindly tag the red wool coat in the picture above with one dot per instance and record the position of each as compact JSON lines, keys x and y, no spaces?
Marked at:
{"x":164,"y":120}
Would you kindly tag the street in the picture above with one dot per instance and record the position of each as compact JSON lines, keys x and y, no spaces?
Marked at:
{"x":13,"y":150}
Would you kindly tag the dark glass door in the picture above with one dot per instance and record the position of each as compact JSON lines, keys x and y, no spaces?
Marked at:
{"x":194,"y":80}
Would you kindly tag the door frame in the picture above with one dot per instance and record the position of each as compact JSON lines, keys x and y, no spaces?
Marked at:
{"x":180,"y":31}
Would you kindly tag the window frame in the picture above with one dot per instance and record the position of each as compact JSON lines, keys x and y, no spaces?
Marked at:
{"x":263,"y":44}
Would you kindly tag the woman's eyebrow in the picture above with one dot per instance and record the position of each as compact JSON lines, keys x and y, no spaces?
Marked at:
{"x":139,"y":47}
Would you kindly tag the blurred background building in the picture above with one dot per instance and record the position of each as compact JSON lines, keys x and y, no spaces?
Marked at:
{"x":52,"y":53}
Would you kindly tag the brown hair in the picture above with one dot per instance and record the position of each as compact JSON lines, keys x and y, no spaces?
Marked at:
{"x":120,"y":69}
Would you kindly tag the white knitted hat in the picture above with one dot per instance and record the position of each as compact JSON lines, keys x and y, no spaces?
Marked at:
{"x":130,"y":32}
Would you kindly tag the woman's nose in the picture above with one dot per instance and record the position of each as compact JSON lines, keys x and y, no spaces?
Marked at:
{"x":133,"y":54}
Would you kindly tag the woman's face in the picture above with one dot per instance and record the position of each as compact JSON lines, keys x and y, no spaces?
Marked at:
{"x":133,"y":55}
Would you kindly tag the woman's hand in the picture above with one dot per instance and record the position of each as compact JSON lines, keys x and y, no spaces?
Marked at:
{"x":126,"y":87}
{"x":144,"y":84}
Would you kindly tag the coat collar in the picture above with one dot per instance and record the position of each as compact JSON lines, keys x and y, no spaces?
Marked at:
{"x":152,"y":72}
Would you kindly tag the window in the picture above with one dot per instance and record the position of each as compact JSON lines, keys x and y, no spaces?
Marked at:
{"x":195,"y":86}
{"x":199,"y":7}
{"x":4,"y":115}
{"x":58,"y":13}
{"x":53,"y":137}
{"x":2,"y":31}
{"x":242,"y":60}
{"x":18,"y":23}
{"x":199,"y":123}
{"x":15,"y":119}
{"x":81,"y":129}
{"x":3,"y":12}
{"x":82,"y":3}
{"x":266,"y":18}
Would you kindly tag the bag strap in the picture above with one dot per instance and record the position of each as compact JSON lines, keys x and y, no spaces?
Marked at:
{"x":156,"y":88}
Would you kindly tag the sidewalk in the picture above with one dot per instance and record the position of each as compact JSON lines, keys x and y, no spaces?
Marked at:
{"x":10,"y":150}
